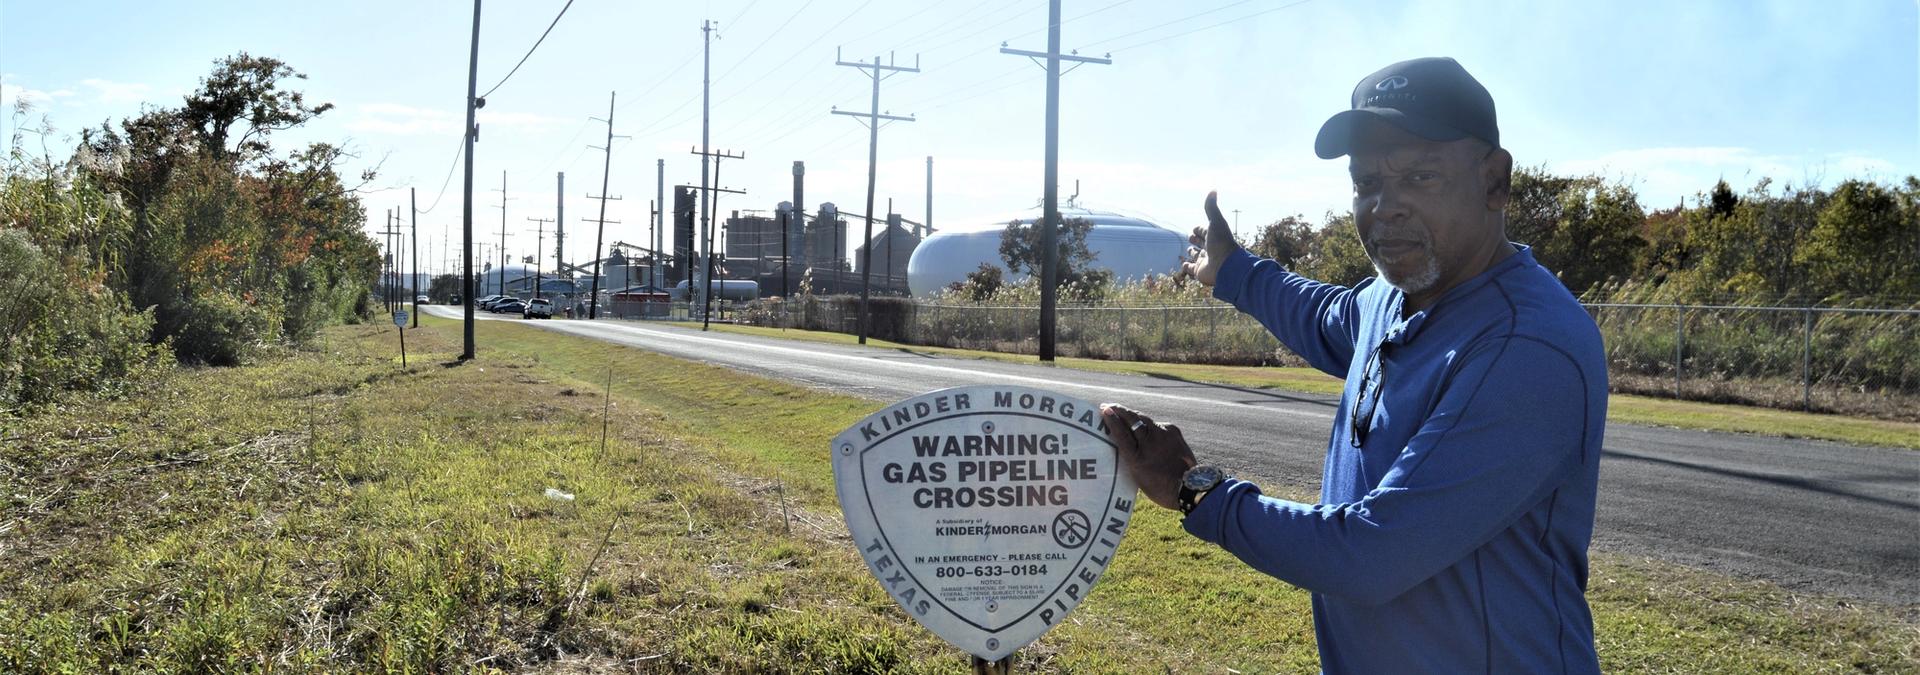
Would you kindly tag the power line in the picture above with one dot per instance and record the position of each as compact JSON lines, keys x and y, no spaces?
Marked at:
{"x":763,"y":42}
{"x":816,"y":40}
{"x":743,"y":12}
{"x":530,"y":50}
{"x":891,"y":26}
{"x":964,"y":38}
{"x":663,"y":79}
{"x":1296,"y":3}
{"x":457,"y":153}
{"x":1164,"y":24}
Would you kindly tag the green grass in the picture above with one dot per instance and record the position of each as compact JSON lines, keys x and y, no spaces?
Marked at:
{"x":202,"y":528}
{"x":1624,"y":408}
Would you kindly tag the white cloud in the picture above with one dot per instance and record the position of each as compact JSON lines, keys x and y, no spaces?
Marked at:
{"x":35,"y":97}
{"x":399,"y":119}
{"x":106,"y":91}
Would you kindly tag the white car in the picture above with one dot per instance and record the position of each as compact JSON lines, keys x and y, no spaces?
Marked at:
{"x":537,"y":308}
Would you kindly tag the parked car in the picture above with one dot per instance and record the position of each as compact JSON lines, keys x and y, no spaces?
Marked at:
{"x":454,"y":301}
{"x":485,"y":300}
{"x":510,"y":306}
{"x":422,"y":300}
{"x":538,"y":308}
{"x":494,"y":304}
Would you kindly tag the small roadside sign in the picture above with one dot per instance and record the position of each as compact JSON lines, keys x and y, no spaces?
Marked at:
{"x":987,"y":512}
{"x":400,"y":317}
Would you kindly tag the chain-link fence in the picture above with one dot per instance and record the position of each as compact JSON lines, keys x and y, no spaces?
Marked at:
{"x":1855,"y":361}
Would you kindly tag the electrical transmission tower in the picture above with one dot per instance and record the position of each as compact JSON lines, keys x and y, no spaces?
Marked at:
{"x":872,"y":119}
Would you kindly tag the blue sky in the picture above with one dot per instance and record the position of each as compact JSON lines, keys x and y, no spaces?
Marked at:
{"x":1666,"y":96}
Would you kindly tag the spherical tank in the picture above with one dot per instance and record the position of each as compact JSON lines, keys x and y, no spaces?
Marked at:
{"x":1130,"y":247}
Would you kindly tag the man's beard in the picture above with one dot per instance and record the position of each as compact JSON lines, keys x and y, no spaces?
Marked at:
{"x":1421,"y":279}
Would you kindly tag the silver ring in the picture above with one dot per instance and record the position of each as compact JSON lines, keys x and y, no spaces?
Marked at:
{"x":1137,"y":424}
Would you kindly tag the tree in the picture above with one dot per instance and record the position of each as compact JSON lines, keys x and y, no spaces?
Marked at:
{"x":1020,"y":248}
{"x":980,"y":284}
{"x":231,"y":243}
{"x":1866,"y":242}
{"x":244,"y":88}
{"x":1584,"y":228}
{"x":444,"y":287}
{"x":1285,"y":240}
{"x":1334,"y":254}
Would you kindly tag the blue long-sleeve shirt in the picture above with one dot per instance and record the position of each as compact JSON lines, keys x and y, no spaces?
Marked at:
{"x":1454,"y":538}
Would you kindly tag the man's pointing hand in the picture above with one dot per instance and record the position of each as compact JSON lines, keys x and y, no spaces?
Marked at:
{"x":1212,"y":245}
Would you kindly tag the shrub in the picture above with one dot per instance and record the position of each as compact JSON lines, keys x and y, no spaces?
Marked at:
{"x":62,"y":330}
{"x":220,"y":329}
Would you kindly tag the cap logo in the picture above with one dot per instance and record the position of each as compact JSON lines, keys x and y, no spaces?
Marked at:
{"x":1391,"y":83}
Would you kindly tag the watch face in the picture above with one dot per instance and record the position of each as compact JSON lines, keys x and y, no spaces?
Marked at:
{"x":1203,"y":477}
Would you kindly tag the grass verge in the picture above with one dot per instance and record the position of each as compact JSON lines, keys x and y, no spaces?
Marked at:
{"x":328,"y":511}
{"x":1624,"y":408}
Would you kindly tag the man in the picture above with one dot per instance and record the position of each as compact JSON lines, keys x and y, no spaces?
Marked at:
{"x":1457,"y":498}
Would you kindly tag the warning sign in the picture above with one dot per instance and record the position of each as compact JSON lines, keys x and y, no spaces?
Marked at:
{"x":987,"y":512}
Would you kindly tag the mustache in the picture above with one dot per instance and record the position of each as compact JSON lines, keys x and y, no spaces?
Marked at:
{"x":1416,"y":236}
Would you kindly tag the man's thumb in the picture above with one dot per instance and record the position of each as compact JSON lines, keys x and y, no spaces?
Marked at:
{"x":1218,"y":231}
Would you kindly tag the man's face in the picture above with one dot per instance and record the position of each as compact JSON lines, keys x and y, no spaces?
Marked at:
{"x":1426,"y":210}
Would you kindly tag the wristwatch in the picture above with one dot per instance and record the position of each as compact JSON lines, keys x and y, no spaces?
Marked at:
{"x":1198,"y":481}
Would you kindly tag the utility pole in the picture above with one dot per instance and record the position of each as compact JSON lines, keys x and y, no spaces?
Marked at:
{"x":466,"y":207}
{"x":539,"y":230}
{"x":392,"y":263}
{"x":600,"y":234}
{"x":659,"y":219}
{"x":503,"y":231}
{"x":1236,"y":225}
{"x":707,"y":230}
{"x":653,"y":256}
{"x":873,"y":118}
{"x":560,"y":223}
{"x":413,"y":253}
{"x":928,"y":223}
{"x":1050,"y":211}
{"x":386,"y":264}
{"x":799,"y":219}
{"x":888,"y":233}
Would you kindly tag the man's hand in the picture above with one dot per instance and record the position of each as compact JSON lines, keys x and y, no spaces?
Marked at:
{"x":1156,"y":456}
{"x":1213,"y":245}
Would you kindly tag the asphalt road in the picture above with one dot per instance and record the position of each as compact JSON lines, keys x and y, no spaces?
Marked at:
{"x":1809,"y":515}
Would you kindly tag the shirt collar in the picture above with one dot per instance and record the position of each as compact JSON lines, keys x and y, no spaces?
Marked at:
{"x":1401,"y":331}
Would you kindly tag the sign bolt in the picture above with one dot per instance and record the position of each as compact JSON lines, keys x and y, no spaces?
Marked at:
{"x":846,"y":449}
{"x":986,"y":427}
{"x":992,"y":606}
{"x":992,"y":644}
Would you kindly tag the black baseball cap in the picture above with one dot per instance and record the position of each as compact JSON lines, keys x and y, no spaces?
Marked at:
{"x":1433,"y":98}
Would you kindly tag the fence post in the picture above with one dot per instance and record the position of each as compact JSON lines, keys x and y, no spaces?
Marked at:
{"x":1679,"y":346}
{"x":1212,"y":316}
{"x":1806,"y":366}
{"x":1166,"y":330}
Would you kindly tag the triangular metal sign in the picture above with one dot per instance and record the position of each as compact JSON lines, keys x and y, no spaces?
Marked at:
{"x":987,"y":512}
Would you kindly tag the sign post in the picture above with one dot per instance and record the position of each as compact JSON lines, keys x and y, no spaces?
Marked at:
{"x":987,"y":512}
{"x":400,"y":322}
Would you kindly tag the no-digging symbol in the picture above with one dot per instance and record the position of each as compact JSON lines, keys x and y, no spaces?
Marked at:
{"x":987,"y":512}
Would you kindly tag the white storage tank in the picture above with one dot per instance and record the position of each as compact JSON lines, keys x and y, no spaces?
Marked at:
{"x":1131,"y":247}
{"x":723,"y":289}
